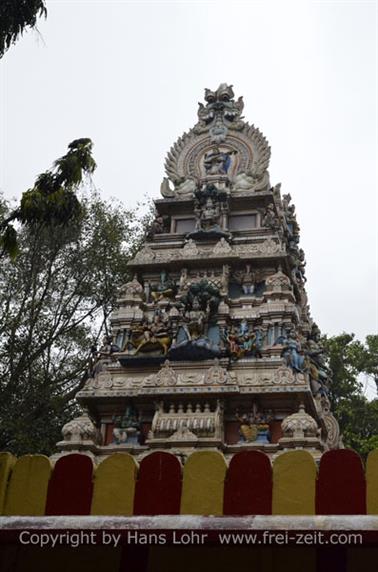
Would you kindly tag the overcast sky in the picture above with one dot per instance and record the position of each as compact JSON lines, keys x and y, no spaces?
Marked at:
{"x":129,"y":75}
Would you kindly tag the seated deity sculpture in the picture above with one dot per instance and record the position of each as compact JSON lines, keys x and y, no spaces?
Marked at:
{"x":164,"y":289}
{"x":254,"y":426}
{"x":126,"y":427}
{"x":247,"y":428}
{"x":242,"y":342}
{"x":217,"y":162}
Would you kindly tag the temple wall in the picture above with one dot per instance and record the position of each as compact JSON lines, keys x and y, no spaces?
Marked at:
{"x":206,"y":484}
{"x":292,"y":497}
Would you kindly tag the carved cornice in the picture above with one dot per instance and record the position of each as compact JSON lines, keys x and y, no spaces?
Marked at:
{"x":222,"y":249}
{"x":215,"y":379}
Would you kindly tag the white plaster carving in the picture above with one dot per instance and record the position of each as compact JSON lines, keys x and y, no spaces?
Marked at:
{"x":299,"y":425}
{"x":222,"y":248}
{"x":166,"y":376}
{"x":217,"y":374}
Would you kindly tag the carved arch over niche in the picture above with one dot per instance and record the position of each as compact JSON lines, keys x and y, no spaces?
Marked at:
{"x":251,"y":154}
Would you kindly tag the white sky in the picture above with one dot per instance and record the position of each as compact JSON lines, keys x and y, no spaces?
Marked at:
{"x":129,"y":75}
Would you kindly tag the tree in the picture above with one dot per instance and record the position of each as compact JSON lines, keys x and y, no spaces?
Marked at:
{"x":15,"y":17}
{"x":52,"y":201}
{"x":357,"y":416}
{"x":55,"y":300}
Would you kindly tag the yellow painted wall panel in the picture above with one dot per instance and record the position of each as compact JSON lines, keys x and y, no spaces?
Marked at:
{"x":294,"y":482}
{"x":114,"y":485}
{"x":203,"y":483}
{"x":372,"y":483}
{"x":27,"y":489}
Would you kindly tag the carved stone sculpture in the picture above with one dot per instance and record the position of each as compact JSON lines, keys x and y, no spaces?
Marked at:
{"x":166,"y":288}
{"x":209,"y":207}
{"x":254,"y":426}
{"x":126,"y":427}
{"x":244,"y":182}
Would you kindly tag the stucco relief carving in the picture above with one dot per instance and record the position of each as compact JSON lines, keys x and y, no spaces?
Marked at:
{"x":268,"y":247}
{"x":222,"y":248}
{"x":218,"y":119}
{"x":283,"y":375}
{"x":190,"y":379}
{"x":144,"y":255}
{"x":190,"y":250}
{"x":101,"y":380}
{"x":166,"y":376}
{"x":218,"y":375}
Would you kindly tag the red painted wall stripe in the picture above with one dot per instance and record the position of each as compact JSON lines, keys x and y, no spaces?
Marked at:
{"x":70,"y":487}
{"x":248,"y":486}
{"x":341,"y":486}
{"x":158,"y":488}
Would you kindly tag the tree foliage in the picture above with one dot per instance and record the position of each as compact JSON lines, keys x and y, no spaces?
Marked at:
{"x":350,"y":360}
{"x":52,"y":201}
{"x":15,"y":17}
{"x":55,"y":300}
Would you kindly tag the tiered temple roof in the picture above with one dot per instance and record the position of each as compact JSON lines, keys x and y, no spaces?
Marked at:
{"x":213,"y":345}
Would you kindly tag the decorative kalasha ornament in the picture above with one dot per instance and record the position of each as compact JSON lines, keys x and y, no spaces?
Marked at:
{"x":211,"y":340}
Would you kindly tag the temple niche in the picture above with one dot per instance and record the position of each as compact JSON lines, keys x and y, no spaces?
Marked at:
{"x":212,"y":344}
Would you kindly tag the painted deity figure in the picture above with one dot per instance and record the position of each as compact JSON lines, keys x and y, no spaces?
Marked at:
{"x":242,"y":341}
{"x":99,"y":358}
{"x":195,"y":319}
{"x":292,"y":352}
{"x":126,"y":427}
{"x":317,"y":366}
{"x":247,"y":428}
{"x":232,"y":339}
{"x":207,"y":215}
{"x":164,"y":289}
{"x":217,"y":162}
{"x":211,"y":211}
{"x":154,"y":335}
{"x":254,"y":426}
{"x":259,"y":338}
{"x":291,"y":220}
{"x":247,"y":343}
{"x":243,"y":328}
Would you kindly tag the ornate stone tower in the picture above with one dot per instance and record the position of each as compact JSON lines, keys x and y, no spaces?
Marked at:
{"x":213,"y":345}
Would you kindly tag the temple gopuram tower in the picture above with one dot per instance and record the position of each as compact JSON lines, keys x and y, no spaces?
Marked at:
{"x":213,"y":345}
